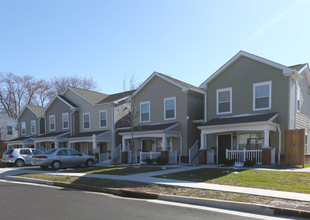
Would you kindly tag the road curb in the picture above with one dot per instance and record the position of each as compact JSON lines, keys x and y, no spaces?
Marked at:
{"x":221,"y":204}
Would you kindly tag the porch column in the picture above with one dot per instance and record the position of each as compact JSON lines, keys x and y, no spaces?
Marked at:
{"x":202,"y":142}
{"x":24,"y":145}
{"x":123,"y":144}
{"x":56,"y":144}
{"x":202,"y":152}
{"x":164,"y":153}
{"x":266,"y":151}
{"x":95,"y":150}
{"x":124,"y":152}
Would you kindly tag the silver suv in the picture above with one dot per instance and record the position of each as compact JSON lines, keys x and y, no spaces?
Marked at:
{"x":19,"y":156}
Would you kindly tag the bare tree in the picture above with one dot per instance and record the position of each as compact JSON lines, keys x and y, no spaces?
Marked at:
{"x":60,"y":84}
{"x":43,"y":94}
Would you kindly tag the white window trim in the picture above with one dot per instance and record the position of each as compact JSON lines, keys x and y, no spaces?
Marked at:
{"x":106,"y":113}
{"x":87,"y":113}
{"x":62,"y":120}
{"x":298,"y":89}
{"x":21,"y":128}
{"x":175,"y":107}
{"x":270,"y":89}
{"x":217,"y":100}
{"x":35,"y":126}
{"x":7,"y":130}
{"x":49,"y":122}
{"x":141,"y":103}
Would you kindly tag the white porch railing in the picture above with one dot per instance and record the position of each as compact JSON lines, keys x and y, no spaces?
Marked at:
{"x":151,"y":155}
{"x":103,"y":157}
{"x":132,"y":157}
{"x":193,"y":152}
{"x":173,"y":157}
{"x":210,"y":157}
{"x":241,"y":155}
{"x":116,"y":154}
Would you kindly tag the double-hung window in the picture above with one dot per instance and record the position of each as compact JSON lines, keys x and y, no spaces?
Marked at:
{"x":33,"y":126}
{"x":9,"y":130}
{"x":52,"y":122}
{"x":298,"y":99}
{"x":65,"y":120}
{"x":23,"y":128}
{"x":262,"y":96}
{"x":86,"y":120}
{"x":145,"y":112}
{"x":224,"y":101}
{"x":170,"y":108}
{"x":103,"y":119}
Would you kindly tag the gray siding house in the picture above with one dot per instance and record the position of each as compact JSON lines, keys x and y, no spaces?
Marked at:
{"x":162,"y":111}
{"x":30,"y":125}
{"x":60,"y":122}
{"x":250,"y":102}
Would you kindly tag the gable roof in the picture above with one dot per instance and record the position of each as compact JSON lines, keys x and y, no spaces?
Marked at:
{"x":116,"y":96}
{"x":286,"y":70}
{"x":182,"y":85}
{"x":61,"y":98}
{"x":37,"y":110}
{"x":90,"y":96}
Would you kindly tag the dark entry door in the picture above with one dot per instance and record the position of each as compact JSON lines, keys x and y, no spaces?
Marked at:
{"x":224,"y":142}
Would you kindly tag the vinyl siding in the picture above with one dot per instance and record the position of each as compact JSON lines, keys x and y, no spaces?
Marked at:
{"x":27,"y":117}
{"x":302,"y":116}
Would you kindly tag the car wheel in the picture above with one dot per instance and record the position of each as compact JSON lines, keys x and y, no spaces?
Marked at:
{"x":44,"y":167}
{"x":19,"y":163}
{"x":56,"y":165}
{"x":90,"y":163}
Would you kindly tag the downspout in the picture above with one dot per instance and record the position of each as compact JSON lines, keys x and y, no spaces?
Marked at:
{"x":279,"y":154}
{"x":205,"y":106}
{"x":113,"y":129}
{"x":181,"y":144}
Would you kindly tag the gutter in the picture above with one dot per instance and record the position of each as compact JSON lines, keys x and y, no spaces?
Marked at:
{"x":279,"y":154}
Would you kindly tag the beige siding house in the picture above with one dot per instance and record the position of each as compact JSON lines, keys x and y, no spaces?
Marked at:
{"x":250,"y":102}
{"x":161,"y":121}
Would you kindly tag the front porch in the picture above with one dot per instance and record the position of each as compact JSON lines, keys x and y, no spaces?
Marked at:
{"x":242,"y":138}
{"x":51,"y":140}
{"x":151,"y":141}
{"x":21,"y":142}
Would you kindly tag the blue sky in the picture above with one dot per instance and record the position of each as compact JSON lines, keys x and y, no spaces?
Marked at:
{"x":108,"y":39}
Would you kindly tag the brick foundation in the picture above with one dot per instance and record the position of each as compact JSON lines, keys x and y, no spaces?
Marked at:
{"x":124,"y":156}
{"x":266,"y":156}
{"x":307,"y":158}
{"x":202,"y":154}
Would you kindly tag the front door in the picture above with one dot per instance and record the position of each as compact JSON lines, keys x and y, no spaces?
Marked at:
{"x":147,"y":145}
{"x":224,"y":142}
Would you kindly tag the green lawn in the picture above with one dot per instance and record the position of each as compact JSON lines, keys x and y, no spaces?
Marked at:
{"x":276,"y":180}
{"x":119,"y":170}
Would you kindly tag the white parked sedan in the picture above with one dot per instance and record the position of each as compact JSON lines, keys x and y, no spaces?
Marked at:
{"x":62,"y":157}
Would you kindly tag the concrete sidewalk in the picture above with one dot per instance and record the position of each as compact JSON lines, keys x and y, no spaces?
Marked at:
{"x":148,"y":178}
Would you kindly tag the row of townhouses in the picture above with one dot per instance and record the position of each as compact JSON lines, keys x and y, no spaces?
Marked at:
{"x":246,"y":106}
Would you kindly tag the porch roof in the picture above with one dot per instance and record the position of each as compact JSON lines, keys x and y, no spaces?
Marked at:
{"x":151,"y":127}
{"x":21,"y":141}
{"x":237,"y":119}
{"x":89,"y":134}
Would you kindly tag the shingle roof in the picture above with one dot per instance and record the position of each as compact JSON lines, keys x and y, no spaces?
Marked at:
{"x":37,"y":109}
{"x":51,"y":134}
{"x":20,"y":139}
{"x":189,"y":86}
{"x":116,"y":96}
{"x":92,"y":96}
{"x":240,"y":119}
{"x":152,"y":127}
{"x":68,"y":101}
{"x":88,"y":134}
{"x":298,"y":66}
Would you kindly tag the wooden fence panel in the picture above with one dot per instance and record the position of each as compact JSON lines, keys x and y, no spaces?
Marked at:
{"x":294,"y":152}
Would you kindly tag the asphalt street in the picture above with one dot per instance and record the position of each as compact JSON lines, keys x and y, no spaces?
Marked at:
{"x":23,"y":201}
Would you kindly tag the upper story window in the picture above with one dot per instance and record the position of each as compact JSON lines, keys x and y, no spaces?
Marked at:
{"x":86,"y":120}
{"x":9,"y":130}
{"x":65,"y":120}
{"x":33,"y":127}
{"x":298,"y":98}
{"x":145,"y":112}
{"x":103,"y":119}
{"x":262,"y":96}
{"x":224,"y":101}
{"x":170,"y":108}
{"x":52,"y":123}
{"x":23,"y":128}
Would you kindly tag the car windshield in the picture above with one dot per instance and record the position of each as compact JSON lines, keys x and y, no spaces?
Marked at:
{"x":36,"y":152}
{"x":50,"y":151}
{"x":9,"y":151}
